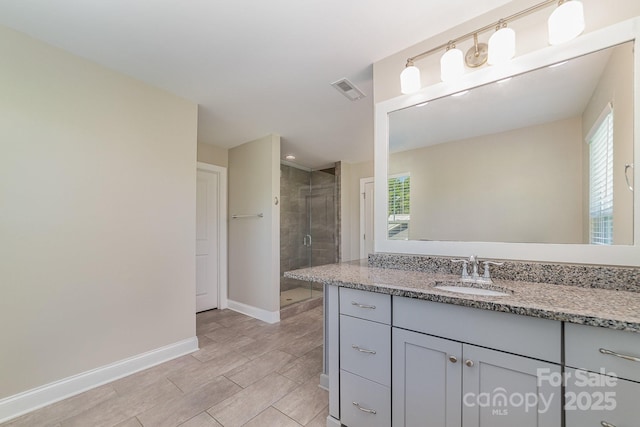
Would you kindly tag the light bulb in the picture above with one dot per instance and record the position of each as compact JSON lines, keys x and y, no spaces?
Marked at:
{"x":451,"y":65}
{"x":502,"y":46}
{"x":410,"y":79}
{"x":566,"y":22}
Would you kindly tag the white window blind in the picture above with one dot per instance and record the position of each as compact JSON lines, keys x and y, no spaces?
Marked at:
{"x":601,"y":179}
{"x":399,"y":206}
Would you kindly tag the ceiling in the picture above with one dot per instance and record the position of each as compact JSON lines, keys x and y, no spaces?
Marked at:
{"x":254,"y":67}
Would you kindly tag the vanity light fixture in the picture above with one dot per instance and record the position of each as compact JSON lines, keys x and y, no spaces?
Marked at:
{"x":502,"y":44}
{"x":410,"y":78}
{"x":565,"y":23}
{"x":451,"y":64}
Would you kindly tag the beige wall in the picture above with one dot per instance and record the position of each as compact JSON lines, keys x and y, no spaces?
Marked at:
{"x":213,"y":155}
{"x":616,"y":86}
{"x":517,"y":186}
{"x":531,"y":35}
{"x":254,"y":243}
{"x":97,"y":215}
{"x":350,"y":207}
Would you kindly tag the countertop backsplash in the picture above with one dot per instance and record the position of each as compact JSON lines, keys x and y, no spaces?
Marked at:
{"x":581,"y":275}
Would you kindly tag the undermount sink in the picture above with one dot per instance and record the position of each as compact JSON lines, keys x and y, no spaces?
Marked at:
{"x":480,"y":289}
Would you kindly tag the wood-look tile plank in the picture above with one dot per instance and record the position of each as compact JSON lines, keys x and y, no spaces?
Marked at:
{"x":193,"y":377}
{"x":51,"y":415}
{"x":304,"y":403}
{"x":131,"y":422}
{"x":320,"y":420}
{"x":183,"y":408}
{"x":202,"y":420}
{"x":305,"y":367}
{"x":212,"y":351}
{"x":272,"y":418}
{"x":121,"y":408}
{"x":140,"y":380}
{"x":259,"y":368}
{"x":246,"y":404}
{"x":303,"y":344}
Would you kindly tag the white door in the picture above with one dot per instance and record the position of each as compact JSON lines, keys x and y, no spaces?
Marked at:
{"x":366,"y":217}
{"x":210,"y":236}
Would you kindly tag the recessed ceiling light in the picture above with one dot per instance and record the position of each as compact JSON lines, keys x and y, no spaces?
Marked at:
{"x":290,"y":157}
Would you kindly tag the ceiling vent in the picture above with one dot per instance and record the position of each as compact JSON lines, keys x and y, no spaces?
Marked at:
{"x":348,"y":89}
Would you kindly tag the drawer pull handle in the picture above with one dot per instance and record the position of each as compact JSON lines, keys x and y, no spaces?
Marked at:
{"x":606,"y":424}
{"x":362,"y":350}
{"x":368,"y":411}
{"x":622,"y":356}
{"x":371,"y":307}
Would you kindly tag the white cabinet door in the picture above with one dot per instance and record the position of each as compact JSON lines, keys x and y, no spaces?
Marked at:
{"x":594,"y":400}
{"x":426,"y":380}
{"x":504,"y":390}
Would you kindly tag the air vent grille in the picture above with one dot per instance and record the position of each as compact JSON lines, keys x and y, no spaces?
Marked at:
{"x":348,"y":89}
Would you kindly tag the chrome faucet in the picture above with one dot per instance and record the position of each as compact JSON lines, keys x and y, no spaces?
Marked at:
{"x":475,"y":277}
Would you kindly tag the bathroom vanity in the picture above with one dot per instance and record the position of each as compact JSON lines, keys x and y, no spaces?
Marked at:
{"x":401,"y":351}
{"x":558,"y":344}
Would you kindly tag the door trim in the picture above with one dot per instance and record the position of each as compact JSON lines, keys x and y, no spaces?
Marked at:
{"x":223,"y":301}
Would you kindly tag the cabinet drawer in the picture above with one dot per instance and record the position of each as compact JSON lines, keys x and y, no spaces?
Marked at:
{"x":363,"y":403}
{"x":366,"y":305}
{"x":527,"y":336}
{"x":365,"y":349}
{"x":615,"y":403}
{"x":583,"y":344}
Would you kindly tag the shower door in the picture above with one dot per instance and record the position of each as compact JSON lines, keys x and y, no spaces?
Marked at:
{"x":308,"y":225}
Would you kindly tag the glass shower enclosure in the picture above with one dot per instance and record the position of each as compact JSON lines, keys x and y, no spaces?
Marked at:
{"x":308,"y":227}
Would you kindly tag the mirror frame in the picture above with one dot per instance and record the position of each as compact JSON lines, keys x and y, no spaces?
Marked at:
{"x":623,"y":255}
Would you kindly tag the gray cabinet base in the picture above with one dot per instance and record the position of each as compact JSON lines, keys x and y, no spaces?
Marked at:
{"x":332,"y":422}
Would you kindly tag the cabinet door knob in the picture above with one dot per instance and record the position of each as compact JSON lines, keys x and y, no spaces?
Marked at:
{"x":453,"y":359}
{"x":469,"y":362}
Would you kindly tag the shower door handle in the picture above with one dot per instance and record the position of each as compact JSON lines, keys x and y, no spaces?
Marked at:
{"x":307,"y":240}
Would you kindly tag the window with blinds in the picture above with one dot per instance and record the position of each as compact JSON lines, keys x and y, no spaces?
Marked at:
{"x":399,"y":207}
{"x":600,"y":141}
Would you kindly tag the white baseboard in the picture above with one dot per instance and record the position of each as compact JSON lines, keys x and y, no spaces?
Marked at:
{"x":30,"y":400}
{"x":255,"y":312}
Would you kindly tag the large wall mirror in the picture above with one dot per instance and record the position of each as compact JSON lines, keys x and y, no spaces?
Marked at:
{"x":532,"y":162}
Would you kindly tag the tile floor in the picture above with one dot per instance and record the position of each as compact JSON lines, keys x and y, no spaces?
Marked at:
{"x":246,"y":373}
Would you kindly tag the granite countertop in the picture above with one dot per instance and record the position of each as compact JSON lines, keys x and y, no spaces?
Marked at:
{"x":595,"y":307}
